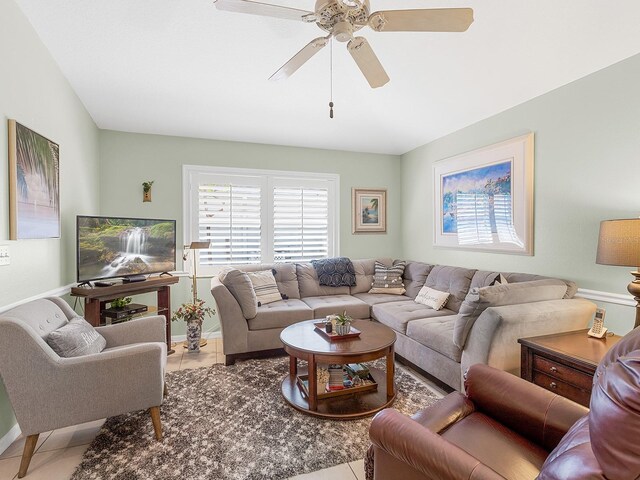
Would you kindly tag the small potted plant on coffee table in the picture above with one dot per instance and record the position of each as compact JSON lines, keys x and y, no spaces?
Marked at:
{"x":343,"y":323}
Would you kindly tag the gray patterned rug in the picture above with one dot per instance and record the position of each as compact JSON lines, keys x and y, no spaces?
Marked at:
{"x":231,"y":423}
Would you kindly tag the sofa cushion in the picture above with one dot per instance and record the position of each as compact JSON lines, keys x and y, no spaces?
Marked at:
{"x":285,"y":276}
{"x":364,"y":273}
{"x":336,"y":304}
{"x":388,"y":279}
{"x":265,"y":287}
{"x":280,"y":314}
{"x":75,"y":339}
{"x":335,"y":272}
{"x":436,"y":333}
{"x":479,"y":299}
{"x":503,"y":451}
{"x":432,"y":298}
{"x":376,"y":298}
{"x":396,"y":315}
{"x":515,"y":277}
{"x":455,"y":280}
{"x":310,"y":286}
{"x":415,"y":274}
{"x":483,"y":278}
{"x":240,"y":286}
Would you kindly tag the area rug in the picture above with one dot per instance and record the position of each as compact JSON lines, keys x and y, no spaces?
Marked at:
{"x":231,"y":423}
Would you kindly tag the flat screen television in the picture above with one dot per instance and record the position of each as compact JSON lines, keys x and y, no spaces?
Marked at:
{"x":111,"y":247}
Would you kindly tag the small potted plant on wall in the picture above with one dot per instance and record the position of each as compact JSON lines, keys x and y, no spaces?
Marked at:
{"x":193,"y":313}
{"x":146,"y":190}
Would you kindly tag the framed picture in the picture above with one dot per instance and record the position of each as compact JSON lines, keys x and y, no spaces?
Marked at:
{"x":369,"y":210}
{"x":34,"y":184}
{"x":484,"y":199}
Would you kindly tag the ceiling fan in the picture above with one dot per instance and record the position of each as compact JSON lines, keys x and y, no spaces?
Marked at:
{"x":341,"y":18}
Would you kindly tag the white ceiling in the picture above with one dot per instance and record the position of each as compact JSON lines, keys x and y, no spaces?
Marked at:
{"x":185,"y":68}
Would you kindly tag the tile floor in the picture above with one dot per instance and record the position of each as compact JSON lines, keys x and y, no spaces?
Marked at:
{"x":58,"y":453}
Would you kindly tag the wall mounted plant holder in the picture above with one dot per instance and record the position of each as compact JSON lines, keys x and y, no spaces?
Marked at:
{"x":146,"y":190}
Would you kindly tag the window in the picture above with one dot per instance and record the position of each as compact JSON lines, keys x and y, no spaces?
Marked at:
{"x":260,"y":216}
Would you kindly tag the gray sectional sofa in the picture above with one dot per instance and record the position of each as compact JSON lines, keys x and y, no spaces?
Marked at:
{"x":477,"y":324}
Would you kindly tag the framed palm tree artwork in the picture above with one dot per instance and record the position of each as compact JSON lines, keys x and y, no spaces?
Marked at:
{"x":34,"y":184}
{"x":369,"y":210}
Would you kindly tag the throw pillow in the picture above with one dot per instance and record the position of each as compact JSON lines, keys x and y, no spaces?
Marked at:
{"x":335,"y":272}
{"x":76,"y":338}
{"x":240,"y":286}
{"x":265,"y":287}
{"x":432,"y":298}
{"x":388,"y":280}
{"x":479,"y":299}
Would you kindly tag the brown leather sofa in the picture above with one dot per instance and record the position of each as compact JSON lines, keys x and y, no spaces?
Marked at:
{"x":507,"y":428}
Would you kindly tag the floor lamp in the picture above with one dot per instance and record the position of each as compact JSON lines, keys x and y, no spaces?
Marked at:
{"x":194,"y":286}
{"x":619,"y":244}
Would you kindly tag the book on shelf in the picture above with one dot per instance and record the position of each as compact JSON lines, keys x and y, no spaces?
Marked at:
{"x":336,"y":378}
{"x":357,"y":370}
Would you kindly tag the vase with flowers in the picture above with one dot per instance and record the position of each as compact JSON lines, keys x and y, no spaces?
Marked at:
{"x":193,"y":313}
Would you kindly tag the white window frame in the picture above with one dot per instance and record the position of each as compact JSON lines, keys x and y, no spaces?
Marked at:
{"x":192,"y":174}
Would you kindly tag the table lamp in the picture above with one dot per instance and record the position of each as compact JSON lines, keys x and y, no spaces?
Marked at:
{"x":619,"y":244}
{"x":194,"y":285}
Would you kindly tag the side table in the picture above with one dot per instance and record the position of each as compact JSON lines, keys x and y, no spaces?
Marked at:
{"x":564,"y":363}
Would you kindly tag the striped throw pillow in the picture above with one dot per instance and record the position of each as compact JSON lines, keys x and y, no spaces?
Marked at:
{"x":388,"y":279}
{"x":265,"y":286}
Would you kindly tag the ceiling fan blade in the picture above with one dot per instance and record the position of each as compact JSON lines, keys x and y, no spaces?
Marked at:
{"x":300,"y":58}
{"x":422,"y":20}
{"x":265,"y":9}
{"x":367,"y":61}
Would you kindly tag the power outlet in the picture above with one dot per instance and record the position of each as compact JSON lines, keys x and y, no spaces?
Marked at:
{"x":5,"y":259}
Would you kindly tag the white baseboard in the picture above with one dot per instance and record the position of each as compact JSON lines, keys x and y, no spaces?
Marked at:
{"x":10,"y":437}
{"x":607,"y":297}
{"x":182,"y":338}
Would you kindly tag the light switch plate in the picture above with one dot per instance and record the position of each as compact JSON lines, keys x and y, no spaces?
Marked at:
{"x":4,"y":255}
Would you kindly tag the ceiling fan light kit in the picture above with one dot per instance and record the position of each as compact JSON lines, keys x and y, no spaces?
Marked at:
{"x":341,"y":18}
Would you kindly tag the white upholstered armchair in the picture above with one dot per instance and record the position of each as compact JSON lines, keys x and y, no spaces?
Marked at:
{"x":49,"y":392}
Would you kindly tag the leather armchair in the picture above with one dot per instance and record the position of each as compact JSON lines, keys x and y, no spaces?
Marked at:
{"x":507,"y":428}
{"x":49,"y":392}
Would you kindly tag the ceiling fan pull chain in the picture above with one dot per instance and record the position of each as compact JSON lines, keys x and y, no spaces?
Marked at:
{"x":331,"y":78}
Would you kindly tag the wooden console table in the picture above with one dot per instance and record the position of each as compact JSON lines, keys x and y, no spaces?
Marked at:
{"x":95,"y":299}
{"x":564,"y":363}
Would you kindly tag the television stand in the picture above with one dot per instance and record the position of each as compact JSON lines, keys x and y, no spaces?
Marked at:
{"x":95,"y":299}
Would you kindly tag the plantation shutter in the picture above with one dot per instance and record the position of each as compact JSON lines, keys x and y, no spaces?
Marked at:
{"x":259,"y":216}
{"x":300,"y":223}
{"x":229,"y":216}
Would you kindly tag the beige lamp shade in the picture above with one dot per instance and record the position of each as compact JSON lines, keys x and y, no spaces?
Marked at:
{"x":619,"y":243}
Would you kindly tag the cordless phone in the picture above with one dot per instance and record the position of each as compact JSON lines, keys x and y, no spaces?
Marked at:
{"x":598,"y":329}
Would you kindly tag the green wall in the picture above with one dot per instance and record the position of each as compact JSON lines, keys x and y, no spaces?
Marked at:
{"x":34,"y":92}
{"x":587,"y":167}
{"x":128,"y":159}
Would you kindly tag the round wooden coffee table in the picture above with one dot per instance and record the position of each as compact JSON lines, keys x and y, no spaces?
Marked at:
{"x":302,"y":341}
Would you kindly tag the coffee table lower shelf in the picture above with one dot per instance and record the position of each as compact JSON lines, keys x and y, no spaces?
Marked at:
{"x":357,"y":404}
